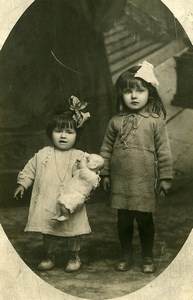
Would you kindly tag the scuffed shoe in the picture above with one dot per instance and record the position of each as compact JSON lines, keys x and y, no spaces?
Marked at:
{"x":46,"y":264}
{"x":124,"y":264}
{"x":73,"y":264}
{"x":148,"y":265}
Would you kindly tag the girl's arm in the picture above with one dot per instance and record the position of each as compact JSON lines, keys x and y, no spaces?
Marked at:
{"x":107,"y":147}
{"x":164,"y":157}
{"x":27,"y":175}
{"x":106,"y":152}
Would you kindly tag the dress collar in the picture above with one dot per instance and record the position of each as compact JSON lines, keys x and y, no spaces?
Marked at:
{"x":145,"y":114}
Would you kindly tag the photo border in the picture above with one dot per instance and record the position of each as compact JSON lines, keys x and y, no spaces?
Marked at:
{"x":17,"y":281}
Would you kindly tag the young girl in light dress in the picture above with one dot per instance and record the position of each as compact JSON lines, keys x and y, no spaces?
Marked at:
{"x":48,"y":171}
{"x":138,"y":160}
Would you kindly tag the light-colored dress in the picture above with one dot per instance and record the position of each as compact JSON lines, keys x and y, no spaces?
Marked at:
{"x":41,"y":171}
{"x":137,"y":153}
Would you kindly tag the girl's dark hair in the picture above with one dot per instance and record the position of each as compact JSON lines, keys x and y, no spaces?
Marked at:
{"x":127,"y":81}
{"x":60,"y":120}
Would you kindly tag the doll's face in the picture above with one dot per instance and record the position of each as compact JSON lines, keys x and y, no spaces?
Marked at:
{"x":64,"y":139}
{"x":91,"y":162}
{"x":94,"y":162}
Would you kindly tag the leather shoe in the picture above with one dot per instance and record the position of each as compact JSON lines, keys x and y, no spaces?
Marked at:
{"x":148,"y":265}
{"x":46,"y":264}
{"x":73,"y":264}
{"x":124,"y":264}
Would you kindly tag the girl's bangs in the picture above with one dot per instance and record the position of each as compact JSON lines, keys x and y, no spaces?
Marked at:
{"x":65,"y":124}
{"x":133,"y":83}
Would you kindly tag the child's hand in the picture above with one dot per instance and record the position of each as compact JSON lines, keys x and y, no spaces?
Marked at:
{"x":19,"y":192}
{"x":164,"y":187}
{"x":106,"y":183}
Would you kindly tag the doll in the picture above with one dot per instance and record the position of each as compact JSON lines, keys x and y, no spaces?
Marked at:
{"x":78,"y":189}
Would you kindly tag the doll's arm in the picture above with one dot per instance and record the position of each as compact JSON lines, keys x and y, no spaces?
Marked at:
{"x":62,"y":213}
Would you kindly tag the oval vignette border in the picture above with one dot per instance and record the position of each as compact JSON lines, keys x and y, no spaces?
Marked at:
{"x":17,"y":281}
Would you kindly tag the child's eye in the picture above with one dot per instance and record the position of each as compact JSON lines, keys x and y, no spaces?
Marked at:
{"x":140,"y":90}
{"x":70,"y":131}
{"x":127,"y":92}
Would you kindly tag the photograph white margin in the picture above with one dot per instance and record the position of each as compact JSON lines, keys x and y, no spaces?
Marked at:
{"x":17,"y":281}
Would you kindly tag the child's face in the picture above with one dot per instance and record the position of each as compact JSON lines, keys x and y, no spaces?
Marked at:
{"x":64,"y":139}
{"x":136,"y":98}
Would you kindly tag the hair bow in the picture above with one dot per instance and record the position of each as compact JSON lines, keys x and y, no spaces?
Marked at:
{"x":147,"y":74}
{"x":76,"y":106}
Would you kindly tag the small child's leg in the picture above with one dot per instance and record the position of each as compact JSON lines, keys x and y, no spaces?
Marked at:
{"x":146,"y":232}
{"x":125,"y":232}
{"x":48,"y":262}
{"x":74,"y":262}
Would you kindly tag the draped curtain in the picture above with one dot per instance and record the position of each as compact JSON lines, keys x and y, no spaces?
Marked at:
{"x":54,"y":51}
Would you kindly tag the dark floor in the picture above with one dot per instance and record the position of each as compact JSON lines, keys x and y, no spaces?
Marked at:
{"x":97,"y":278}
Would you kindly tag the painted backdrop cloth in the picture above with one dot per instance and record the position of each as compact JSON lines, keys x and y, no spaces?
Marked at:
{"x":134,"y":167}
{"x":56,"y":50}
{"x":41,"y":169}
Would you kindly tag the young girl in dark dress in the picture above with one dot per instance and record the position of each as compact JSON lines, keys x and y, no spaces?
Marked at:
{"x":138,"y":161}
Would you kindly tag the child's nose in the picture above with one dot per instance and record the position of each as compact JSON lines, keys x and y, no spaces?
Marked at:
{"x":63,"y":134}
{"x":133,"y":94}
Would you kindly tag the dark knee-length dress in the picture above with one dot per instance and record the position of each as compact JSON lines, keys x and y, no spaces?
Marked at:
{"x":137,"y":153}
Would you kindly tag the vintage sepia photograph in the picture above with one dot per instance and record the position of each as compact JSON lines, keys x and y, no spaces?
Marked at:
{"x":96,"y":169}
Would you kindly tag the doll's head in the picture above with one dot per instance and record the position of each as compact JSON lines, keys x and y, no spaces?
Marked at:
{"x":62,"y":130}
{"x":93,"y":162}
{"x":136,"y":83}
